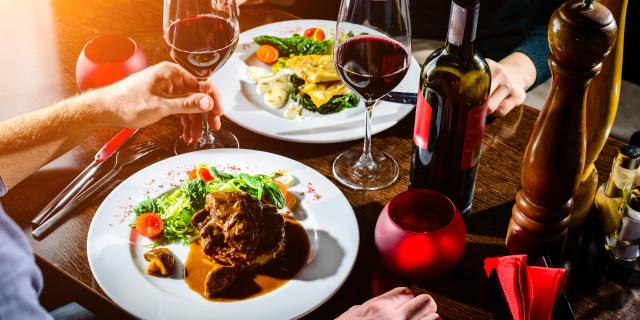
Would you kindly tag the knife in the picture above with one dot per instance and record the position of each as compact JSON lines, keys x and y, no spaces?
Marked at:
{"x":400,"y":97}
{"x":86,"y":176}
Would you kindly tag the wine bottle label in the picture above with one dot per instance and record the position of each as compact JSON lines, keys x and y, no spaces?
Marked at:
{"x":459,"y":22}
{"x":423,"y":122}
{"x":473,"y":136}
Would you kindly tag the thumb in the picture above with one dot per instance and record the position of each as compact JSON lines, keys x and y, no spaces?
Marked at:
{"x":195,"y":103}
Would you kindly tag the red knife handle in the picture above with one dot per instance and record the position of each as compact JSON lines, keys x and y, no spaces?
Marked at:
{"x":114,"y":144}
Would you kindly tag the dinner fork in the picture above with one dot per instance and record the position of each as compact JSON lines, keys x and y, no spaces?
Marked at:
{"x":122,"y":158}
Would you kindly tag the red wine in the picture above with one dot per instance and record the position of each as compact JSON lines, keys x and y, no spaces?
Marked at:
{"x":451,"y":112}
{"x":371,"y":65}
{"x":201,"y":44}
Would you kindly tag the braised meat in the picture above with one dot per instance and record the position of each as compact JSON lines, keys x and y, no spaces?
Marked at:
{"x":238,"y":233}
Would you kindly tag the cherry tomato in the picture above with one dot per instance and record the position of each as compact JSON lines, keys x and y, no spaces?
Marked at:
{"x":314,"y":33}
{"x":192,"y":174}
{"x":205,"y":174}
{"x":267,"y":54}
{"x":149,"y":225}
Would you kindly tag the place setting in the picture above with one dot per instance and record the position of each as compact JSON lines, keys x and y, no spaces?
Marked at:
{"x":206,"y":228}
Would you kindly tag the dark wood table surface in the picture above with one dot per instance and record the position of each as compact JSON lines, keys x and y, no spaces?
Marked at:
{"x":38,"y":66}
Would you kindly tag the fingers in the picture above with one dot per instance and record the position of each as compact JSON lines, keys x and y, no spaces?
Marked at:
{"x":433,"y":316}
{"x":217,"y":99}
{"x":392,"y":299}
{"x":507,"y":105}
{"x":195,"y":127}
{"x":195,"y":103}
{"x":186,"y":128}
{"x":497,"y":97}
{"x":179,"y":81}
{"x":494,"y":68}
{"x":214,"y":122}
{"x":419,"y":307}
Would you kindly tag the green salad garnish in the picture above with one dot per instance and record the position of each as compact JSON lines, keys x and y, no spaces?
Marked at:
{"x":296,"y":45}
{"x":177,"y":206}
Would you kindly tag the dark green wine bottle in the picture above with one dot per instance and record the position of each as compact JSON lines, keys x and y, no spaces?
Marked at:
{"x":451,"y":111}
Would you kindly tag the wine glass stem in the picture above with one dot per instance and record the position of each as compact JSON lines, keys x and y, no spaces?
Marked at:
{"x":366,"y":159}
{"x":206,"y":136}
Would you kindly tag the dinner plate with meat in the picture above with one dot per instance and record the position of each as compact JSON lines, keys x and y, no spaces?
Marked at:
{"x":281,"y":82}
{"x":223,"y":233}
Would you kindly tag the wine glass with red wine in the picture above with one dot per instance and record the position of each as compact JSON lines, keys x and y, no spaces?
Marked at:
{"x":372,"y":55}
{"x":201,"y":35}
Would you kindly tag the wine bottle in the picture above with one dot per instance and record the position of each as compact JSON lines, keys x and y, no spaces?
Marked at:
{"x":451,"y":111}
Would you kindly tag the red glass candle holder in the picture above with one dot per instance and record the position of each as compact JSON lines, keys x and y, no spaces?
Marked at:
{"x":420,"y":235}
{"x":107,"y":59}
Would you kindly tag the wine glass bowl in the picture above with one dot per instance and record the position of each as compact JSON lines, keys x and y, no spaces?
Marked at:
{"x":201,"y":36}
{"x":420,"y":235}
{"x":107,"y":59}
{"x":372,"y":55}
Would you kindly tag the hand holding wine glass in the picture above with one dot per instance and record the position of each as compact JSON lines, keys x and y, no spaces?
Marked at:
{"x":372,"y":56}
{"x":201,"y":36}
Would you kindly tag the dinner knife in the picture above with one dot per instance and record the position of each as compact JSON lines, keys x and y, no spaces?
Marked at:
{"x":86,"y":176}
{"x":400,"y":97}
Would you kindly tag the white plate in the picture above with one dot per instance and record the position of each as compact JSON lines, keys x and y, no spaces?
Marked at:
{"x":116,"y":253}
{"x":246,"y":108}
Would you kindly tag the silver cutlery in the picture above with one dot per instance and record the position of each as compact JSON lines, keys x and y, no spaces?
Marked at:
{"x":122,"y":158}
{"x":86,"y":176}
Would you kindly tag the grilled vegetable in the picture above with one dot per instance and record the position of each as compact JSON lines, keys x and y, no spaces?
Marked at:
{"x":161,"y":262}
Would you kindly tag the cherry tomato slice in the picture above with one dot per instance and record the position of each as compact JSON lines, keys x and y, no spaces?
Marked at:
{"x":314,"y":33}
{"x":192,"y":174}
{"x":205,"y":174}
{"x":267,"y":54}
{"x":149,"y":225}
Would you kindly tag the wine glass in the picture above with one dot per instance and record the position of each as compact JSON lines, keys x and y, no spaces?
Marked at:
{"x":201,"y":35}
{"x":372,"y":55}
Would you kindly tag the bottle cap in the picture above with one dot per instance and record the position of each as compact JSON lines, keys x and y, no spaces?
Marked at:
{"x":628,"y":157}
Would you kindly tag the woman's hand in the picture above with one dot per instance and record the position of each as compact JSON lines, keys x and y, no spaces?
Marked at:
{"x":399,"y":303}
{"x":510,"y":79}
{"x":156,"y":92}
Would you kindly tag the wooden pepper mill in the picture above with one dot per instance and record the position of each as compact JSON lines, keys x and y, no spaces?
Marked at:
{"x":581,"y":34}
{"x":602,"y":103}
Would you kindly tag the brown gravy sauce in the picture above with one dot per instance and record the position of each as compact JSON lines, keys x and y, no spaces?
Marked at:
{"x":256,"y":282}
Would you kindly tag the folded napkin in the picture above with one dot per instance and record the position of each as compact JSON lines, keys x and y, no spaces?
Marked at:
{"x":530,"y":291}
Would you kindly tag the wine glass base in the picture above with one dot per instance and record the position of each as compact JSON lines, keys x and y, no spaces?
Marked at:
{"x":351,"y":171}
{"x":223,"y":139}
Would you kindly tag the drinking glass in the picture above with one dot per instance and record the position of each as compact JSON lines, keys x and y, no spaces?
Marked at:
{"x":201,"y":35}
{"x":372,"y":55}
{"x":420,"y":235}
{"x":107,"y":59}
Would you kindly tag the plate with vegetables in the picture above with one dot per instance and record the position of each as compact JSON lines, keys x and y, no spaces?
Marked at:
{"x":281,"y":82}
{"x":227,"y":233}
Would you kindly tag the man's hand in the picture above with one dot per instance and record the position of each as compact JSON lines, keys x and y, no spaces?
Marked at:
{"x":510,"y":79}
{"x":156,"y":92}
{"x":399,"y":303}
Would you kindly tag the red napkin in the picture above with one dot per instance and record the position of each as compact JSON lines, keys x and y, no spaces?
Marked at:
{"x":530,"y":291}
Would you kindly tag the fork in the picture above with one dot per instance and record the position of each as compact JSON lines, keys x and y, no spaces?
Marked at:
{"x":122,"y":158}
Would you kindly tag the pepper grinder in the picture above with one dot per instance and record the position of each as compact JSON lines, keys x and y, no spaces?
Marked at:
{"x":581,"y":35}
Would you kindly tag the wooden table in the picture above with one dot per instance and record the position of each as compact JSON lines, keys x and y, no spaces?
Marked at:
{"x":38,"y":63}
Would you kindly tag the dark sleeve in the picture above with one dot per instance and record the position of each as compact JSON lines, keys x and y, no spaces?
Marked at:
{"x":536,"y":47}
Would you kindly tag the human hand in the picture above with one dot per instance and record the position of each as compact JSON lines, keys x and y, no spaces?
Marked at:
{"x":399,"y":303}
{"x":510,"y":78}
{"x":156,"y":92}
